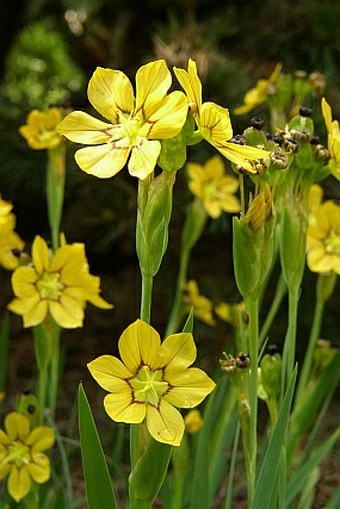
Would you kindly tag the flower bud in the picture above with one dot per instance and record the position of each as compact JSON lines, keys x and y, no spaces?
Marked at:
{"x":271,"y":374}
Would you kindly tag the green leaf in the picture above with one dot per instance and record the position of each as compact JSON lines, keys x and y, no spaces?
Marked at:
{"x":148,"y":475}
{"x":297,"y":483}
{"x":99,"y":488}
{"x":270,"y":465}
{"x":189,"y":324}
{"x":334,"y":502}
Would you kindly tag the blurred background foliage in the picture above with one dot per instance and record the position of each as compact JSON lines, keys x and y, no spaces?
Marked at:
{"x":50,"y":48}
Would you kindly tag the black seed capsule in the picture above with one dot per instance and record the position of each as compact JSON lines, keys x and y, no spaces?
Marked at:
{"x":257,"y":123}
{"x":277,"y":139}
{"x":239,"y":139}
{"x":272,"y":349}
{"x":305,"y":112}
{"x":16,"y":252}
{"x":31,"y":409}
{"x":26,"y":391}
{"x":315,"y":140}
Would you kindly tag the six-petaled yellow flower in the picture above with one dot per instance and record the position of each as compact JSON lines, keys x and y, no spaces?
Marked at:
{"x":201,"y":305}
{"x":259,"y":94}
{"x":152,"y":380}
{"x":213,"y":121}
{"x":21,"y":454}
{"x":9,"y":239}
{"x":333,"y":138}
{"x":136,"y":123}
{"x":323,"y":239}
{"x":40,"y":130}
{"x":216,"y":189}
{"x":57,"y":283}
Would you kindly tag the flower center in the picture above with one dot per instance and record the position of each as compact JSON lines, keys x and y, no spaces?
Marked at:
{"x":210,"y":190}
{"x":19,"y":454}
{"x":50,"y":286}
{"x":148,"y":386}
{"x":130,"y":129}
{"x":333,"y":243}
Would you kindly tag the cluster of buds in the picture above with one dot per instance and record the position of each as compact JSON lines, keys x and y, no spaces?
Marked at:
{"x":233,"y":365}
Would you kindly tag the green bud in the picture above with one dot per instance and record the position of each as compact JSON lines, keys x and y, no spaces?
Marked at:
{"x":173,"y":153}
{"x":154,"y":213}
{"x":253,"y":244}
{"x":271,"y":374}
{"x":292,"y":243}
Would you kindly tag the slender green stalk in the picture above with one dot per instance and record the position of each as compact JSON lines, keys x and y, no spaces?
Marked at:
{"x":146,"y":297}
{"x":280,"y":292}
{"x":176,"y":314}
{"x":54,"y":367}
{"x":231,"y":476}
{"x":55,"y":183}
{"x":324,"y":288}
{"x":252,"y":306}
{"x":288,"y":356}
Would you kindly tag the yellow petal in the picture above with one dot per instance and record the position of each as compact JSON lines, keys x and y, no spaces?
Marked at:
{"x":4,"y":439}
{"x":153,"y":80}
{"x":68,"y":313}
{"x":24,"y":305}
{"x":121,"y":408}
{"x":40,"y":468}
{"x":188,"y":388}
{"x":40,"y":255}
{"x":144,"y":158}
{"x":17,"y":426}
{"x":104,"y":161}
{"x":5,"y":469}
{"x":99,"y":302}
{"x":165,"y":424}
{"x":80,"y":127}
{"x":169,"y":118}
{"x":23,"y":281}
{"x":178,"y":351}
{"x":19,"y":483}
{"x":110,"y":373}
{"x":139,"y":344}
{"x":36,"y":314}
{"x":241,"y":154}
{"x":191,"y":84}
{"x":327,"y":114}
{"x":40,"y":438}
{"x":110,"y":93}
{"x":214,"y":123}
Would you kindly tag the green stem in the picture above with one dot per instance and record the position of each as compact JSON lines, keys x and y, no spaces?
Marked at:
{"x":176,"y":312}
{"x":252,"y":306}
{"x":54,"y":368}
{"x":146,"y":297}
{"x":324,"y":288}
{"x":55,"y":184}
{"x":193,"y":227}
{"x":280,"y":292}
{"x":288,"y":356}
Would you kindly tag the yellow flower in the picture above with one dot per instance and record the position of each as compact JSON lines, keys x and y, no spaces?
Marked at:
{"x":214,"y":187}
{"x":202,"y":306}
{"x":9,"y":240}
{"x":136,"y":124}
{"x":193,"y":421}
{"x":258,"y":95}
{"x":21,"y":454}
{"x":40,"y":130}
{"x":152,"y":380}
{"x":213,"y":121}
{"x":59,"y":284}
{"x":333,"y":138}
{"x":323,"y":239}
